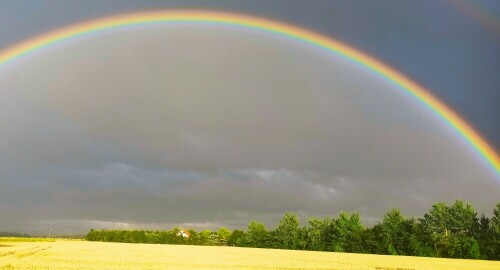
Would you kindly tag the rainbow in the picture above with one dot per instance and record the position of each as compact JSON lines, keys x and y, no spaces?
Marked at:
{"x":474,"y":141}
{"x":486,"y":19}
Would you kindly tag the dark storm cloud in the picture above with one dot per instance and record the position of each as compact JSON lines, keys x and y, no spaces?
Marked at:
{"x":209,"y":127}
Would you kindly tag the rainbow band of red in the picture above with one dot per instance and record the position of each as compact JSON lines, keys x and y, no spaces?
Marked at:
{"x":476,"y":143}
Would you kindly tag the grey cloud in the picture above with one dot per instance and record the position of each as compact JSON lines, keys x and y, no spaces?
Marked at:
{"x":190,"y":125}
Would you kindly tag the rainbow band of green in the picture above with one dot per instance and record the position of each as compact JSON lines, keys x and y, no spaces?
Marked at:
{"x":475,"y":142}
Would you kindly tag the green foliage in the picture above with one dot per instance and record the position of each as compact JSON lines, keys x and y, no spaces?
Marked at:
{"x":236,"y":235}
{"x":397,"y":234}
{"x":317,"y":234}
{"x":495,"y":220}
{"x":346,"y":230}
{"x":286,"y":235}
{"x":461,"y":246}
{"x":257,"y":235}
{"x":488,"y":244}
{"x":224,"y":233}
{"x":489,"y":235}
{"x":372,"y":240}
{"x":13,"y":234}
{"x":452,"y":231}
{"x":302,"y":239}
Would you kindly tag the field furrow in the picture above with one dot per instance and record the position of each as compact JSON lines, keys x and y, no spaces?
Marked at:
{"x":31,"y":252}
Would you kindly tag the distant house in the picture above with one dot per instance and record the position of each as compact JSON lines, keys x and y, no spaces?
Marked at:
{"x":184,"y":233}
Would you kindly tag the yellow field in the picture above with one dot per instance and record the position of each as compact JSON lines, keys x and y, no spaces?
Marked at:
{"x":66,"y":254}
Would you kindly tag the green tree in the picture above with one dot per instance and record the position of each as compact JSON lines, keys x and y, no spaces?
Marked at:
{"x":422,"y":241}
{"x":495,"y":234}
{"x":346,"y":232}
{"x":152,"y":238}
{"x":235,"y":236}
{"x":91,"y":235}
{"x":373,"y":240}
{"x":462,"y":246}
{"x":446,"y":231}
{"x":448,"y":226}
{"x":286,"y":235}
{"x":257,"y":235}
{"x":398,"y":232}
{"x":205,"y":238}
{"x":495,"y":220}
{"x":224,"y":233}
{"x":303,"y":238}
{"x":485,"y":238}
{"x":316,"y":234}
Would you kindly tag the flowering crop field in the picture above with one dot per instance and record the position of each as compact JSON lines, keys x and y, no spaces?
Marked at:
{"x":75,"y":254}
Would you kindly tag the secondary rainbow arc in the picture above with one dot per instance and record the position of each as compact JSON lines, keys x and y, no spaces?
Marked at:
{"x":475,"y":142}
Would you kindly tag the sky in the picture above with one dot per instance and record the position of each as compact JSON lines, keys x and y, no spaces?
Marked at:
{"x":205,"y":126}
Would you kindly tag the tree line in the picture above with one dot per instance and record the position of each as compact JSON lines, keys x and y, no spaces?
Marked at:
{"x":12,"y":234}
{"x":448,"y":231}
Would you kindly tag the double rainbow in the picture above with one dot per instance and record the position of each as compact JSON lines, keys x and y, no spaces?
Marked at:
{"x":475,"y":142}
